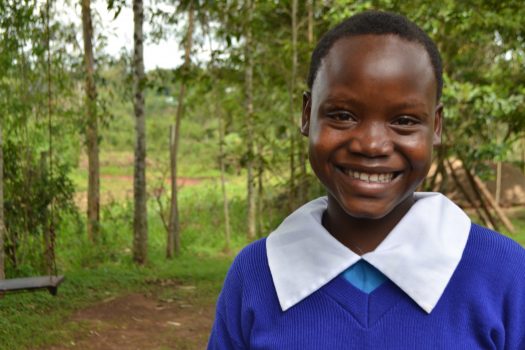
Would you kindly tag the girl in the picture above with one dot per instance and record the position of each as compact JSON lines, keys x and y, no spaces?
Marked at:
{"x":374,"y":265}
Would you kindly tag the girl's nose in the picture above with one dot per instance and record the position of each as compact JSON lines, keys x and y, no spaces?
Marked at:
{"x":370,"y":140}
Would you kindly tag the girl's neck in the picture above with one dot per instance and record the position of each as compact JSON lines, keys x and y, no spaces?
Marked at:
{"x":361,"y":235}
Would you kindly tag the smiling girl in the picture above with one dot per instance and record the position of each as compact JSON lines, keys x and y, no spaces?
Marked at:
{"x":374,"y":265}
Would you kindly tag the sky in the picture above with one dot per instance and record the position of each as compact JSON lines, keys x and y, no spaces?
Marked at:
{"x":119,"y":32}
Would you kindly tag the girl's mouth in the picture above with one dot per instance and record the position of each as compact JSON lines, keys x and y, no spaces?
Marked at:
{"x":370,"y":177}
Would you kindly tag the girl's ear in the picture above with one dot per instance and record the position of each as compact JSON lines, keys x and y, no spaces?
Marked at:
{"x":305,"y":119}
{"x":438,"y":125}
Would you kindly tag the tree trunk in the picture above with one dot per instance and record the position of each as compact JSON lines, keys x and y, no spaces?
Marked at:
{"x":480,"y":213}
{"x":479,"y":196}
{"x":93,"y":196}
{"x":310,"y":7}
{"x":173,"y":219}
{"x":140,"y":223}
{"x":523,"y":156}
{"x":2,"y":224}
{"x":499,"y":212}
{"x":498,"y":182}
{"x":227,"y":228}
{"x":302,"y":142}
{"x":49,"y":233}
{"x":173,"y":242}
{"x":293,"y":122}
{"x":250,"y":163}
{"x":260,"y":191}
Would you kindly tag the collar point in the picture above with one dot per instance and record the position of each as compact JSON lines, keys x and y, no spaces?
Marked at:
{"x":285,"y":306}
{"x":427,"y":308}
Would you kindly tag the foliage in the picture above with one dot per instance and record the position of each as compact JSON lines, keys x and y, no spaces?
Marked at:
{"x":482,"y":44}
{"x":95,"y":274}
{"x":483,"y":48}
{"x":38,"y":103}
{"x":46,"y":196}
{"x":484,"y":81}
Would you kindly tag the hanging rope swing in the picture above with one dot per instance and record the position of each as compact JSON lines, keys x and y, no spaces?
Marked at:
{"x":52,"y":280}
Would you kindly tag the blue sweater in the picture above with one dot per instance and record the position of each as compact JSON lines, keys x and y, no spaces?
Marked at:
{"x":483,"y":307}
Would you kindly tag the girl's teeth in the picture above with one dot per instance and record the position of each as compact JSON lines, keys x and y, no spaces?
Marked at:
{"x":375,"y":178}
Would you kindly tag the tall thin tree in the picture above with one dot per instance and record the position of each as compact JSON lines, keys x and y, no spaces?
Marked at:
{"x":49,"y":232}
{"x":222,"y":156}
{"x":218,"y":111}
{"x":140,"y":223}
{"x":250,"y":134}
{"x":173,"y":243}
{"x":302,"y":147}
{"x":293,"y":120}
{"x":310,"y":9}
{"x":93,"y":195}
{"x":2,"y":224}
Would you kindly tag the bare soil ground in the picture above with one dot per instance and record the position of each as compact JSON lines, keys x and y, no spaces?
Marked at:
{"x":170,"y":316}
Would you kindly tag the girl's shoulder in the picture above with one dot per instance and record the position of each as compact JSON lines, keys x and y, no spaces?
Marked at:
{"x":253,"y":253}
{"x":496,"y":255}
{"x":251,"y":262}
{"x":494,"y":243}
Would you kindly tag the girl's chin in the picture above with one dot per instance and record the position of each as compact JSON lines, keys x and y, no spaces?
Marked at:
{"x":372,"y":209}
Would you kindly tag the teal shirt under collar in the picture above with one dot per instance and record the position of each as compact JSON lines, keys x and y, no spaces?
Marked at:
{"x":364,"y":276}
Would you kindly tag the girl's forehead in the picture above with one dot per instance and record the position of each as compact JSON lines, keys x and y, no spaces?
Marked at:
{"x":375,"y":58}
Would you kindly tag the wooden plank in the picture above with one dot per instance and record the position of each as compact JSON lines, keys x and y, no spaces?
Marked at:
{"x":494,"y":205}
{"x":31,"y":283}
{"x":477,"y":193}
{"x":481,"y":214}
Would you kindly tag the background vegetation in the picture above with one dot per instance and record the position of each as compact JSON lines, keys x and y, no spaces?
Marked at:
{"x":239,"y":116}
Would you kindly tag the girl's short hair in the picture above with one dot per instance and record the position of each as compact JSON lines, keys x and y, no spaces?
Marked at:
{"x":377,"y":23}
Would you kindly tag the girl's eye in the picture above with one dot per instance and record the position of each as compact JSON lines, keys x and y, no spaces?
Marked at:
{"x":406,"y":121}
{"x":341,"y":116}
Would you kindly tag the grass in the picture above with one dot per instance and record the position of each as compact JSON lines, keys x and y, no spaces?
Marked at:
{"x":97,"y":272}
{"x":32,"y":320}
{"x":517,"y":217}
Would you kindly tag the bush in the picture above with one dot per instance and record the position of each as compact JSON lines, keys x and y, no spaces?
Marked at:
{"x":35,"y":202}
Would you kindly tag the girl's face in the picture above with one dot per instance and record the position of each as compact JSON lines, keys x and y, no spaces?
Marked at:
{"x":372,"y":120}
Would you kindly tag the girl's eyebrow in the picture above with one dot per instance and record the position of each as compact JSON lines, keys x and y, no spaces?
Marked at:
{"x":341,"y":100}
{"x":348,"y":100}
{"x":410,"y":104}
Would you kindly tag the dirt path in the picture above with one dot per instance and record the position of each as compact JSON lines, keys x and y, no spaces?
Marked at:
{"x":168,"y":317}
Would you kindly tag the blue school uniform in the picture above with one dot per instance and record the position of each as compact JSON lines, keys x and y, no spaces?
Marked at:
{"x":449,"y":284}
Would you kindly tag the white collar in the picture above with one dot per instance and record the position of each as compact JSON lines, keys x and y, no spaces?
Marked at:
{"x":419,"y":255}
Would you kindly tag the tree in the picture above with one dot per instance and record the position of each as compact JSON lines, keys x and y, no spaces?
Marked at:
{"x":222,"y":155}
{"x":36,"y":80}
{"x":293,"y":112}
{"x":93,"y":196}
{"x":218,"y":111}
{"x":49,"y":231}
{"x":484,"y":82}
{"x":140,"y":224}
{"x":250,"y":136}
{"x":4,"y":64}
{"x":2,"y":224}
{"x":173,"y":243}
